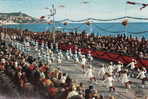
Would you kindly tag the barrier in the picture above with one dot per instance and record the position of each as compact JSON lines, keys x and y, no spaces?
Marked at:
{"x":107,"y":55}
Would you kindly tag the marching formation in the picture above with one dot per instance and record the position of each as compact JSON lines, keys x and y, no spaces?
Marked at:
{"x":108,"y":73}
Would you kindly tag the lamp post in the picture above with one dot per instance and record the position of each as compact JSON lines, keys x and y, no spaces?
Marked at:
{"x":52,"y":14}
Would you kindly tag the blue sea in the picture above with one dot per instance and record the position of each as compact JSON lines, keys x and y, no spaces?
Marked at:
{"x":135,"y":29}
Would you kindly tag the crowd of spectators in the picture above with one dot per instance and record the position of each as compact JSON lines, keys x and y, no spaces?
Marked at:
{"x":121,"y":44}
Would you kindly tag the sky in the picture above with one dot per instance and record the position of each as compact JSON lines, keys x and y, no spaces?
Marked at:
{"x":75,"y":9}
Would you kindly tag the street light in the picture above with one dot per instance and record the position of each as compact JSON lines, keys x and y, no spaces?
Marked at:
{"x":52,"y":14}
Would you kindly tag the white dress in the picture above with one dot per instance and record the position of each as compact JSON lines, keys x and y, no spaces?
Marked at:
{"x":63,"y":79}
{"x":124,"y":78}
{"x":102,"y":72}
{"x":132,"y":65}
{"x":89,"y":73}
{"x":83,"y":62}
{"x":109,"y":81}
{"x":110,"y":69}
{"x":59,"y":60}
{"x":141,"y":75}
{"x":119,"y":66}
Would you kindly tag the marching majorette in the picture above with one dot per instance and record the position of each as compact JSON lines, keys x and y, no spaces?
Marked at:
{"x":70,"y":52}
{"x":51,"y":46}
{"x":118,"y":68}
{"x":102,"y":72}
{"x":49,"y":59}
{"x":110,"y":68}
{"x":142,"y":76}
{"x":59,"y":61}
{"x":83,"y":63}
{"x":57,"y":47}
{"x":60,"y":54}
{"x":79,"y":53}
{"x":52,"y":57}
{"x":109,"y":82}
{"x":90,"y":58}
{"x":132,"y":64}
{"x":76,"y":58}
{"x":124,"y":79}
{"x":89,"y":74}
{"x":67,"y":55}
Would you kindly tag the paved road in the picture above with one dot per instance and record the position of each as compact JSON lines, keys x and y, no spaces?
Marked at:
{"x":74,"y":70}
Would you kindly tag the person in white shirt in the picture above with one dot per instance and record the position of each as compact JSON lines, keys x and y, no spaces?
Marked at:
{"x":142,"y":76}
{"x":110,"y":68}
{"x":83,"y":63}
{"x":3,"y":60}
{"x":118,"y":69}
{"x":72,"y":93}
{"x":90,"y":58}
{"x":76,"y":58}
{"x":124,"y":79}
{"x":67,"y":55}
{"x":109,"y":83}
{"x":59,"y":61}
{"x":89,"y":74}
{"x":63,"y":78}
{"x":102,"y":72}
{"x":132,"y":64}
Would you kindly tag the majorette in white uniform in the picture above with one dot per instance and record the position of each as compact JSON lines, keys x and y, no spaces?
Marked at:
{"x":124,"y":77}
{"x":60,"y":54}
{"x":67,"y":55}
{"x":132,"y":64}
{"x":102,"y":72}
{"x":52,"y":57}
{"x":119,"y":67}
{"x":83,"y":62}
{"x":79,"y":53}
{"x":89,"y":73}
{"x":76,"y":58}
{"x":59,"y":61}
{"x":141,"y":74}
{"x":70,"y":52}
{"x":109,"y":82}
{"x":110,"y":68}
{"x":90,"y":56}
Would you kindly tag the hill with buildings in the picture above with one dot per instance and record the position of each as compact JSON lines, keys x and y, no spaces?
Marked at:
{"x":18,"y":18}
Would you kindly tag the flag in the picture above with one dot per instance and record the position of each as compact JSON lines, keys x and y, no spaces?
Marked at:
{"x":143,"y":5}
{"x":132,"y":3}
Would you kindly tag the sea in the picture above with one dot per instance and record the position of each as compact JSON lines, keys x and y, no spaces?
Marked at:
{"x":135,"y":29}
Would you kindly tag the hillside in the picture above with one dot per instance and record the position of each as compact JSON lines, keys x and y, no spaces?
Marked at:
{"x":17,"y":17}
